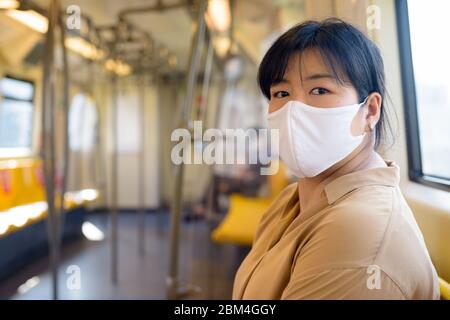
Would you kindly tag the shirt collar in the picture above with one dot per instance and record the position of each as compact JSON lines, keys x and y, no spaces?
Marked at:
{"x":383,"y":176}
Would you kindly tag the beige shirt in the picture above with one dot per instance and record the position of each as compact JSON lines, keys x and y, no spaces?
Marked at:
{"x":359,"y":241}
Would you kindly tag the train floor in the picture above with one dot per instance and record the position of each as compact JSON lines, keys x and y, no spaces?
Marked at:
{"x":202,"y":263}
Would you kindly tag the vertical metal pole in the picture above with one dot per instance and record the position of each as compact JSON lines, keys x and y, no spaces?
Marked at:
{"x":95,"y":156}
{"x":101,"y":151}
{"x":141,"y":171}
{"x":173,"y":289}
{"x":206,"y":81}
{"x":213,"y":217}
{"x":114,"y":213}
{"x":80,"y":182}
{"x":48,"y":152}
{"x":202,"y":117}
{"x":115,"y":156}
{"x":65,"y":156}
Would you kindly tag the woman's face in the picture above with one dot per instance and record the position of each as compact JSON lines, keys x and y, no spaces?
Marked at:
{"x":308,"y":79}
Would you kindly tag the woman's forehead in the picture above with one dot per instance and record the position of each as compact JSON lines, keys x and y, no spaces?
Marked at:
{"x":306,"y":63}
{"x":310,"y":64}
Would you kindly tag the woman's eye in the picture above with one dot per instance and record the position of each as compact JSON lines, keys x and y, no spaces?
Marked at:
{"x":280,"y":94}
{"x":319,"y":91}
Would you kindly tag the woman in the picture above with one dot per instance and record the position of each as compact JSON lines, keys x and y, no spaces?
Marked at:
{"x":344,"y":231}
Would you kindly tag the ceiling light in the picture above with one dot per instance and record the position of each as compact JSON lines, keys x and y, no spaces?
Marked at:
{"x":222,"y":45}
{"x":218,"y":15}
{"x":30,"y":18}
{"x":118,"y":67}
{"x":9,"y":4}
{"x":84,"y":48}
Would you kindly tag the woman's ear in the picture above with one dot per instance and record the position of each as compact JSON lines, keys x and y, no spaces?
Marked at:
{"x":373,"y":106}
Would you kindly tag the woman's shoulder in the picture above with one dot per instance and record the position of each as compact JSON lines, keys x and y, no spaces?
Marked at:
{"x":370,"y":213}
{"x":371,"y":226}
{"x":366,"y":200}
{"x":351,"y":231}
{"x":364,"y":211}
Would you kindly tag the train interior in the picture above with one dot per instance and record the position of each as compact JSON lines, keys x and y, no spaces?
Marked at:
{"x":93,"y":94}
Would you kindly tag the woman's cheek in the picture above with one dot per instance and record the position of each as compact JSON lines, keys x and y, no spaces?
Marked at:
{"x":276,"y":105}
{"x":272,"y":107}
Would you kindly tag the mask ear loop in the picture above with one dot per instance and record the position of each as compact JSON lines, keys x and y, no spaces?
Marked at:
{"x":364,"y":101}
{"x":370,"y":125}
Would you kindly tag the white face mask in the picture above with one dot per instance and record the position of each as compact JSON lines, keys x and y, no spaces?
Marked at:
{"x":313,"y":139}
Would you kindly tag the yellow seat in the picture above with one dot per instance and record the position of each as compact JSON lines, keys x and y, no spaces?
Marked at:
{"x":22,"y":195}
{"x":240,"y":224}
{"x":20,"y":182}
{"x":444,"y":287}
{"x":433,"y":218}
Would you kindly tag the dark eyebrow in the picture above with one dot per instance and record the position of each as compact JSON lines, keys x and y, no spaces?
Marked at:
{"x":319,"y":76}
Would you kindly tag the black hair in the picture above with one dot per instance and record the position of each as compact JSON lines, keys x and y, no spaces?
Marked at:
{"x":351,"y":57}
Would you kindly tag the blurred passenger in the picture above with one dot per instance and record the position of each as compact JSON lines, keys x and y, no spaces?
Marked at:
{"x":245,"y":179}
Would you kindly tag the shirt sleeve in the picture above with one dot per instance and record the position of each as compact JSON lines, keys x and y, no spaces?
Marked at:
{"x":358,"y":283}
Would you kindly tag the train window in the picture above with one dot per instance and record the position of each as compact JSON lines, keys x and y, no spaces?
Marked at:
{"x":83,"y":122}
{"x":426,"y":86}
{"x":16,"y":116}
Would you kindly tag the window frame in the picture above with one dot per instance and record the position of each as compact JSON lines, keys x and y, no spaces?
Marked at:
{"x":414,"y":153}
{"x":19,"y":152}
